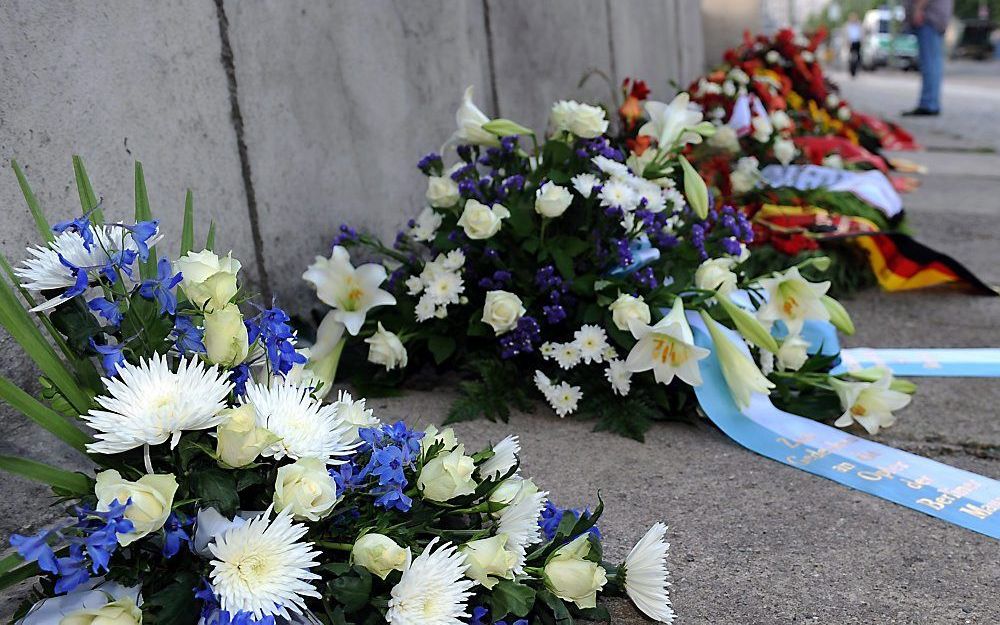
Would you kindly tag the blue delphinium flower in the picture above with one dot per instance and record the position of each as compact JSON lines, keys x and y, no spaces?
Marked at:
{"x":36,"y":549}
{"x":111,"y":357}
{"x":107,"y":309}
{"x":239,"y":376}
{"x":118,"y":261}
{"x":161,"y":288}
{"x":175,"y":534}
{"x":79,"y":225}
{"x":81,"y":280}
{"x":188,"y":338}
{"x":142,"y":232}
{"x":552,"y":516}
{"x":393,"y":448}
{"x":271,"y":327}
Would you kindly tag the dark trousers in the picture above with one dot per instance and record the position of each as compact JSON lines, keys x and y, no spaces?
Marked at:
{"x":855,"y":57}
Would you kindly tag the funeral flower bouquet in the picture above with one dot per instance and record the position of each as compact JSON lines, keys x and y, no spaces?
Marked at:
{"x":225,"y":492}
{"x":573,"y":265}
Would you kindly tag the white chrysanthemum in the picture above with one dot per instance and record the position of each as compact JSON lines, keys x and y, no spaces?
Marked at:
{"x":646,"y":575}
{"x":585,"y":183}
{"x":148,"y":404}
{"x":305,"y":427}
{"x":591,"y":340}
{"x":504,"y":458}
{"x":433,"y":589}
{"x":610,"y":167}
{"x":618,"y":194}
{"x":567,"y":355}
{"x":426,"y":225}
{"x":619,"y":377}
{"x":519,"y":521}
{"x":543,"y":383}
{"x":44,"y":271}
{"x":444,"y":288}
{"x":564,"y":398}
{"x":354,"y":413}
{"x":261,"y":567}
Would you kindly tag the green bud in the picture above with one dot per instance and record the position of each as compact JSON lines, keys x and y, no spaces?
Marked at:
{"x":747,"y":325}
{"x":838,"y":315}
{"x":694,"y":189}
{"x":821,"y":263}
{"x":506,"y":128}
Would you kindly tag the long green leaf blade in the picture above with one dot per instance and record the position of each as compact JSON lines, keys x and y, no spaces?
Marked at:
{"x":43,"y":415}
{"x":88,"y":200}
{"x":187,"y":232}
{"x":210,"y":241}
{"x":18,"y":575}
{"x":36,"y":210}
{"x":46,"y":474}
{"x":143,"y":213}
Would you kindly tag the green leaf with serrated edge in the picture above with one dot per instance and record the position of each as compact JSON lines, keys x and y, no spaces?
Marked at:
{"x":143,"y":213}
{"x":42,"y":415}
{"x":210,"y":240}
{"x":88,"y":200}
{"x":187,"y":231}
{"x":41,"y":222}
{"x":75,"y":483}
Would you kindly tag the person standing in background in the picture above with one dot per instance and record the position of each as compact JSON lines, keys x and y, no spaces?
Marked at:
{"x":928,"y":19}
{"x":853,"y":32}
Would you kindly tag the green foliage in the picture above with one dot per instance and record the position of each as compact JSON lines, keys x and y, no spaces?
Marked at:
{"x":61,"y":481}
{"x":499,"y":386}
{"x":174,"y":604}
{"x":510,"y":597}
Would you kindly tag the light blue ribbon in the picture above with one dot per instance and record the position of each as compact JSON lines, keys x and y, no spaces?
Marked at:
{"x":960,"y":497}
{"x":643,"y":254}
{"x":970,"y":363}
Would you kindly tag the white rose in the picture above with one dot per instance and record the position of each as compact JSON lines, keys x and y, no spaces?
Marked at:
{"x":628,"y":307}
{"x":121,"y":612}
{"x":442,"y":191}
{"x":512,"y":490}
{"x":480,"y":221}
{"x":151,"y":498}
{"x":305,"y":489}
{"x":502,"y":311}
{"x":239,"y":439}
{"x":572,"y":578}
{"x":386,"y":349}
{"x":792,"y":353}
{"x":379,"y":554}
{"x":716,"y":274}
{"x":588,"y":121}
{"x":432,"y":436}
{"x":208,"y":280}
{"x":780,"y":120}
{"x":226,"y":340}
{"x":447,"y":475}
{"x":488,"y":560}
{"x":784,"y":150}
{"x":551,"y":200}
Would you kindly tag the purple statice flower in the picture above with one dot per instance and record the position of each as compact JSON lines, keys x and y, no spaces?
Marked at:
{"x":554,"y":314}
{"x":465,"y":152}
{"x":624,"y":251}
{"x":522,"y":339}
{"x":645,"y":277}
{"x":431,"y":164}
{"x":346,"y":234}
{"x":698,"y":240}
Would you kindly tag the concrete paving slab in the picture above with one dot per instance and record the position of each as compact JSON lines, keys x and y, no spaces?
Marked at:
{"x":966,"y":164}
{"x":340,"y":101}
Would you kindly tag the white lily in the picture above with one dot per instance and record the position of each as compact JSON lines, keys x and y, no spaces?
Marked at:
{"x":469,"y":121}
{"x":793,"y":300}
{"x":351,"y":291}
{"x":669,"y":123}
{"x":869,"y":403}
{"x":667,"y":348}
{"x":742,"y":375}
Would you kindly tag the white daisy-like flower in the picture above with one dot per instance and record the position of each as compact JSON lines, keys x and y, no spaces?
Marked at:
{"x":44,"y":271}
{"x":610,"y":353}
{"x":610,"y":167}
{"x":548,"y":349}
{"x":585,"y":183}
{"x":354,"y":413}
{"x":591,"y":340}
{"x":261,"y":567}
{"x":426,"y":225}
{"x":646,"y":575}
{"x":519,"y":521}
{"x":414,"y":285}
{"x":564,"y":398}
{"x":567,"y":355}
{"x":504,"y":458}
{"x":305,"y":427}
{"x":619,"y":377}
{"x":543,"y":383}
{"x":433,"y":589}
{"x":425,"y":308}
{"x":147,"y":404}
{"x":618,"y":194}
{"x":445,"y":288}
{"x":452,"y":261}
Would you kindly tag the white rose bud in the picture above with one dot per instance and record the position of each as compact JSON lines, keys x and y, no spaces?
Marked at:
{"x":512,"y":490}
{"x":121,"y":612}
{"x":572,"y":578}
{"x":716,"y":274}
{"x":305,"y":489}
{"x":379,"y":554}
{"x":488,"y":561}
{"x":502,"y":311}
{"x":551,"y":200}
{"x":628,"y":307}
{"x":480,"y":221}
{"x":385,"y":348}
{"x":442,"y":191}
{"x":448,"y":475}
{"x":239,"y":439}
{"x":226,"y":340}
{"x":784,"y":150}
{"x":431,"y":436}
{"x":152,"y":496}
{"x":206,"y":279}
{"x":793,"y":353}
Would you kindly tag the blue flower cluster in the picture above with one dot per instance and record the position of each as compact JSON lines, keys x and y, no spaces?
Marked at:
{"x":175,"y":533}
{"x":727,"y":228}
{"x":212,"y":614}
{"x":522,"y":339}
{"x":346,"y":235}
{"x":92,"y":540}
{"x":552,"y":516}
{"x":390,"y":450}
{"x":556,"y":290}
{"x":480,"y":616}
{"x":506,"y":171}
{"x":598,"y":146}
{"x":271,"y":327}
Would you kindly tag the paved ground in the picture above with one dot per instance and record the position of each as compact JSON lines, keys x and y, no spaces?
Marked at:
{"x":757,"y":542}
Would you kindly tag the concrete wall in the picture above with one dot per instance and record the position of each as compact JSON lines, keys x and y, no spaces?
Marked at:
{"x":287,"y":117}
{"x":724,"y":21}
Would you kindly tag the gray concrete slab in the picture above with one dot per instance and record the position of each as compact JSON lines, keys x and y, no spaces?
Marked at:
{"x":636,"y":31}
{"x":964,"y":164}
{"x":340,"y":101}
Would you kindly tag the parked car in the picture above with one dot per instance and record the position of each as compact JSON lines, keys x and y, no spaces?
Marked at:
{"x":886,"y":41}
